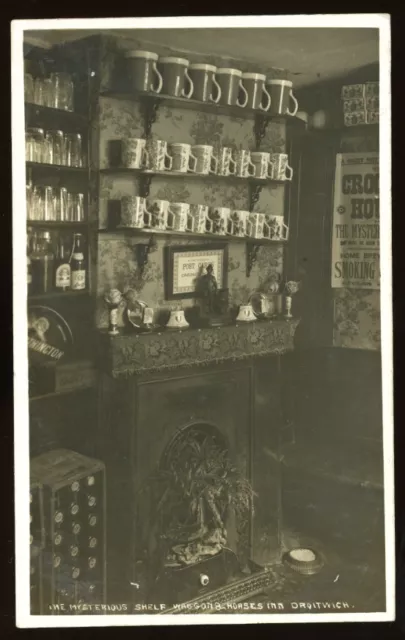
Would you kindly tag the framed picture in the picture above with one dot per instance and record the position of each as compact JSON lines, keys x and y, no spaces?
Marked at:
{"x":185,"y":264}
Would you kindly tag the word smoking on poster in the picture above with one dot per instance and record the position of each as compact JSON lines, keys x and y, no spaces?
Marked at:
{"x":356,"y":222}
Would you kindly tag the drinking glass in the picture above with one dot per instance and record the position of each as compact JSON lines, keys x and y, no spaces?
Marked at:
{"x":48,"y":148}
{"x":37,"y":204}
{"x":35,"y":144}
{"x":73,"y":150}
{"x":28,"y":88}
{"x":49,"y":204}
{"x":28,"y":196}
{"x":58,"y":146}
{"x":62,"y":91}
{"x":77,"y":207}
{"x":61,"y":198}
{"x":39,"y":91}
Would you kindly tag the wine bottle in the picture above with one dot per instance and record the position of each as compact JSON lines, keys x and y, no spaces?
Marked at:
{"x":62,"y":268}
{"x":77,"y":264}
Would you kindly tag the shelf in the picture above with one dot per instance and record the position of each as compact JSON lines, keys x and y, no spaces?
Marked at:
{"x":40,"y":114}
{"x":199,"y":176}
{"x":197,"y":105}
{"x":54,"y":224}
{"x":58,"y":294}
{"x":358,"y":130}
{"x":189,"y":235}
{"x":55,"y":168}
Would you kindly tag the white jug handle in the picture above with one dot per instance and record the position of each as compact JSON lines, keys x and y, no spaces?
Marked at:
{"x":270,"y":170}
{"x":286,"y":229}
{"x":169,"y":162}
{"x":160,"y":79}
{"x":289,"y":171}
{"x":267,"y":107}
{"x":294,"y":99}
{"x":218,"y":88}
{"x":169,"y":225}
{"x":251,"y":166}
{"x":233,"y":164}
{"x":243,"y":105}
{"x":214,"y":161}
{"x":145,"y":159}
{"x":189,"y":94}
{"x":193,"y":160}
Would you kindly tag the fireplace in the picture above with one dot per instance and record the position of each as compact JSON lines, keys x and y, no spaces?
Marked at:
{"x":162,"y":430}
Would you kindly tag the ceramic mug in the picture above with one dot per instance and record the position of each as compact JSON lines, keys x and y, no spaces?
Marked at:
{"x":206,"y":161}
{"x":281,"y":168}
{"x":204,"y":80}
{"x":281,"y":96}
{"x":183,"y":159}
{"x":230,"y":81}
{"x":158,"y":158}
{"x":275,"y":228}
{"x":175,"y":75}
{"x":237,"y":225}
{"x":134,"y":154}
{"x":182,"y":220}
{"x":257,"y":226}
{"x":226,"y":164}
{"x":134,"y":213}
{"x":244,"y":166}
{"x":161,"y":216}
{"x":143,"y":71}
{"x":219,"y":218}
{"x":263,"y":164}
{"x":200,"y":220}
{"x":258,"y":96}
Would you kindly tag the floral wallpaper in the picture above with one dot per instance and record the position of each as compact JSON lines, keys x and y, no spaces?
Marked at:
{"x":119,"y":119}
{"x":357,"y":311}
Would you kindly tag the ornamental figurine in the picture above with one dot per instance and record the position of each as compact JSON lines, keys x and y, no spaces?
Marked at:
{"x":113,"y":299}
{"x":209,"y":289}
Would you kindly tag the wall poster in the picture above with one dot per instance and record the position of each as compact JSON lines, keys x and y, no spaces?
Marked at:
{"x":356,"y":222}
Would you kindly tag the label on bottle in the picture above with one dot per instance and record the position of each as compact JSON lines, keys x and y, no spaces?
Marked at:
{"x":79,"y":279}
{"x":63,"y":276}
{"x":78,"y":256}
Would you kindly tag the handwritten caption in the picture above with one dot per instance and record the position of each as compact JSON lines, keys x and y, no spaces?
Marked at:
{"x":202,"y":607}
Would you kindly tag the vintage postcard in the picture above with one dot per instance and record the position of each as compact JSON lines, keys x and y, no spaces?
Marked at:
{"x":203,"y":320}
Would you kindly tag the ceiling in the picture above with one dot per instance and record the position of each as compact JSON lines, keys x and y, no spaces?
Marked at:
{"x":310,"y":54}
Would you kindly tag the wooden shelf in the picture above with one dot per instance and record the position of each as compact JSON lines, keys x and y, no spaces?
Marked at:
{"x":187,"y":234}
{"x":36,"y":113}
{"x":55,"y":224}
{"x":358,"y":130}
{"x":197,"y":105}
{"x":190,"y":175}
{"x":58,"y":294}
{"x":54,"y":168}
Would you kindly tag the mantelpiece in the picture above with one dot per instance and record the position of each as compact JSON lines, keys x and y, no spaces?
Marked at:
{"x":135,"y":354}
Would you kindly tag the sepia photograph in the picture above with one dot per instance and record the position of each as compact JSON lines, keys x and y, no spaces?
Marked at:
{"x":203,"y":370}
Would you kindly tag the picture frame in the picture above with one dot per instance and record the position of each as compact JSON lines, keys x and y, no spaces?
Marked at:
{"x":185,"y":263}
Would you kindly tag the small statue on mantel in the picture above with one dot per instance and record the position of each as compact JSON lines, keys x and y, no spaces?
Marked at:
{"x":209,"y":289}
{"x":213,"y":299}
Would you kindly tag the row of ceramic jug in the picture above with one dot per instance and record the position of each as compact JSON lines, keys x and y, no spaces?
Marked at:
{"x":159,"y":155}
{"x":163,"y":215}
{"x":178,"y":78}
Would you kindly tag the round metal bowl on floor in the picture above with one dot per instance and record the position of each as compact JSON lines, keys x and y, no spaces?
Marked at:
{"x":303,"y":560}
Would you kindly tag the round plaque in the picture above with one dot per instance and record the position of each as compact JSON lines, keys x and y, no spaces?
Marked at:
{"x":50,"y":337}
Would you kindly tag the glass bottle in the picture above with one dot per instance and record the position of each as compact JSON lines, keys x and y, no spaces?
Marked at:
{"x":77,"y":264}
{"x":62,"y":267}
{"x":42,"y":261}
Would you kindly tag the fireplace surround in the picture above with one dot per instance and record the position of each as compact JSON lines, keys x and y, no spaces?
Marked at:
{"x":155,"y":390}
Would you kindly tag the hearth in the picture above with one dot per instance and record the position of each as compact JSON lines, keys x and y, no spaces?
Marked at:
{"x":184,"y":431}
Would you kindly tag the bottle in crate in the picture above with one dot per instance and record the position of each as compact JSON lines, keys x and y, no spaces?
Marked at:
{"x":74,"y":553}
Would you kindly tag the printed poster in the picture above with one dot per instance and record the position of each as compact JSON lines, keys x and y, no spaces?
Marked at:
{"x":356,"y":222}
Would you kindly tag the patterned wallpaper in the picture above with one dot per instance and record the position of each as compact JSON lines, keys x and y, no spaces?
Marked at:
{"x":357,"y":311}
{"x":117,"y":267}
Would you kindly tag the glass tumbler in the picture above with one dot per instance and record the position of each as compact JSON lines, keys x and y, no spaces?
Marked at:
{"x":61,"y":202}
{"x":78,"y":207}
{"x":28,"y":197}
{"x":28,"y":88}
{"x":37,"y":204}
{"x":73,"y":150}
{"x":49,"y":204}
{"x":63,"y":89}
{"x":58,"y":145}
{"x":35,"y":140}
{"x":48,"y":148}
